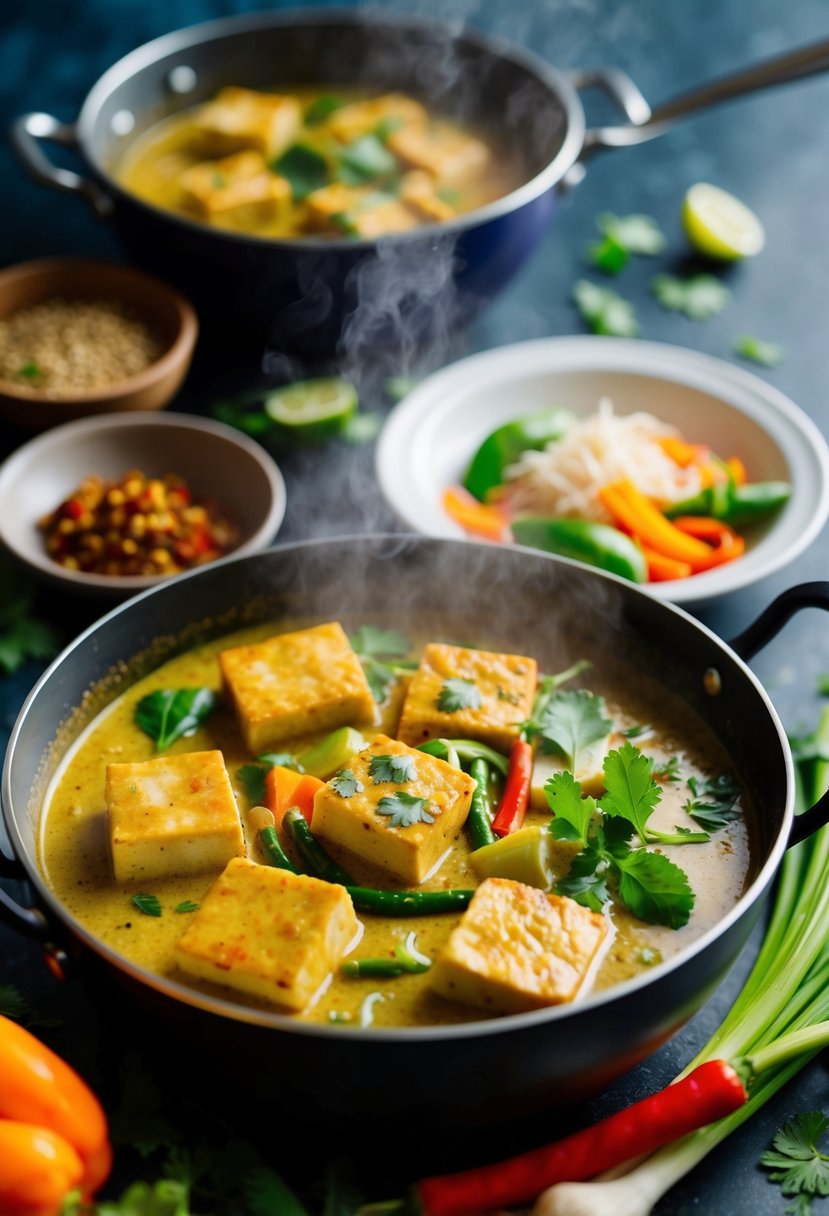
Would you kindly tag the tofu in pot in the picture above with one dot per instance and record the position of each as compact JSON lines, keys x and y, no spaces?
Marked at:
{"x":493,"y":692}
{"x":517,"y":948}
{"x":440,"y":149}
{"x":244,"y":118}
{"x":296,"y":683}
{"x":359,"y":822}
{"x":359,"y":118}
{"x":171,"y":816}
{"x":269,"y":933}
{"x":361,"y":211}
{"x":418,"y":192}
{"x":240,"y":188}
{"x":589,"y":770}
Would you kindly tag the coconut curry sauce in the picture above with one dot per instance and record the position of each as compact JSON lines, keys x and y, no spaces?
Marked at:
{"x":75,"y":849}
{"x":304,"y":163}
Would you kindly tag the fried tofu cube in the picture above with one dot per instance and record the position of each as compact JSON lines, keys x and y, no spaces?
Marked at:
{"x":296,"y":683}
{"x":173,"y":815}
{"x":269,"y":933}
{"x":475,"y":694}
{"x":440,"y":149}
{"x":589,"y":770}
{"x":417,"y":190}
{"x":239,"y":188}
{"x":357,"y":211}
{"x":517,"y":948}
{"x":244,"y":118}
{"x":408,"y":835}
{"x":360,"y":118}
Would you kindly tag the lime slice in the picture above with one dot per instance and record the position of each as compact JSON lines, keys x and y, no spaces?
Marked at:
{"x":312,"y":410}
{"x":719,"y":225}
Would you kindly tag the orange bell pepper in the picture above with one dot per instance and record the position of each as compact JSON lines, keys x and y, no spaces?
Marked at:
{"x":37,"y":1087}
{"x":473,"y":516}
{"x":285,"y":787}
{"x":634,"y":511}
{"x":683,"y":453}
{"x":38,"y":1169}
{"x":724,"y":543}
{"x":663,"y":569}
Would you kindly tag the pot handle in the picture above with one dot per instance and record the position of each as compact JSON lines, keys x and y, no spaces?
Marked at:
{"x":28,"y":920}
{"x":794,"y":65}
{"x":26,"y":133}
{"x":759,"y":633}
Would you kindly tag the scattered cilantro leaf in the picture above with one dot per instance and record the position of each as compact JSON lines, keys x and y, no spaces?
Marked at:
{"x":631,"y":792}
{"x":30,"y":370}
{"x":173,"y":713}
{"x":713,"y":804}
{"x":622,"y":236}
{"x":569,"y":722}
{"x":304,"y":169}
{"x":187,"y":905}
{"x":654,"y":888}
{"x":795,"y":1159}
{"x":391,"y":768}
{"x":608,"y":254}
{"x":589,"y":890}
{"x":150,"y":905}
{"x":404,"y":810}
{"x":636,"y":732}
{"x":801,"y":1205}
{"x":767,"y":354}
{"x":604,"y":310}
{"x":667,"y":772}
{"x":572,"y":814}
{"x":457,"y":694}
{"x":321,"y":108}
{"x":346,"y":784}
{"x":362,"y":427}
{"x":699,"y":297}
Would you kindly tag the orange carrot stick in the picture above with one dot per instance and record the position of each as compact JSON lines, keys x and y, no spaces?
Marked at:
{"x":473,"y":516}
{"x":663,"y":569}
{"x":633,"y":510}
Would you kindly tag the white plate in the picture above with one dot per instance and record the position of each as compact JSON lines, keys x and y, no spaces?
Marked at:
{"x":431,"y":436}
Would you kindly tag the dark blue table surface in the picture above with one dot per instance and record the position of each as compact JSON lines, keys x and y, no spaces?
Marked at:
{"x":772,"y":150}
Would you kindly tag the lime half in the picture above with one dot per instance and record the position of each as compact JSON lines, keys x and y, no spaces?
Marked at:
{"x":311,"y":411}
{"x":719,"y":225}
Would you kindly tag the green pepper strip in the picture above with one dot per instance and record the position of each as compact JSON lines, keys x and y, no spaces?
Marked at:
{"x":312,"y":852}
{"x":408,"y":903}
{"x":479,"y":820}
{"x":370,"y":967}
{"x":274,"y":852}
{"x":467,"y":750}
{"x":736,"y":505}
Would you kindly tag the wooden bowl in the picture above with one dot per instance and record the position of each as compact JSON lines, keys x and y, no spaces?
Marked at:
{"x":171,"y":317}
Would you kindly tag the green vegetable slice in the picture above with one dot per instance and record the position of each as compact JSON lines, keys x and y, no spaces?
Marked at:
{"x":311,"y":411}
{"x":173,"y":713}
{"x":594,"y":544}
{"x":304,"y":169}
{"x":504,"y":445}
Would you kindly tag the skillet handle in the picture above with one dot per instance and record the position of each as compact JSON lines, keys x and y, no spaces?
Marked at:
{"x":25,"y":135}
{"x":767,"y":626}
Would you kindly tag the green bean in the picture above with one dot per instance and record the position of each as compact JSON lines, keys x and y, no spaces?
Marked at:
{"x":274,"y":852}
{"x":479,"y":821}
{"x":311,"y":851}
{"x":408,"y":903}
{"x":467,"y":750}
{"x":365,"y":967}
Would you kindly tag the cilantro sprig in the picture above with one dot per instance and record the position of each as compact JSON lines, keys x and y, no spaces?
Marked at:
{"x":568,"y":722}
{"x":382,"y":653}
{"x":397,"y":769}
{"x":404,"y":810}
{"x":621,"y":237}
{"x":457,"y":694}
{"x":604,"y":310}
{"x":346,"y":784}
{"x":796,"y":1161}
{"x":714,"y":801}
{"x":632,"y":794}
{"x":699,"y":297}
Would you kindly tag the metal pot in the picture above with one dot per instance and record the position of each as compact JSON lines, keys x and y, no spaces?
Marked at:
{"x":315,"y":294}
{"x":483,"y":1071}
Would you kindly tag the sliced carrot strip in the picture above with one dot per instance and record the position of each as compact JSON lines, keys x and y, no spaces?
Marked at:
{"x":704,"y":527}
{"x":632,"y":509}
{"x":473,"y":516}
{"x":663,"y":569}
{"x":683,"y":453}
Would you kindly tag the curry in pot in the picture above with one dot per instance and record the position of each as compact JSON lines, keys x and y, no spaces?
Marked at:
{"x":354,"y":829}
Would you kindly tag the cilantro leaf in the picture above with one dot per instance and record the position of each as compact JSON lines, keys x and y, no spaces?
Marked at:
{"x":150,"y":905}
{"x":801,"y":1205}
{"x":572,"y":813}
{"x":714,"y":802}
{"x":608,"y":254}
{"x":187,"y":905}
{"x":653,"y":888}
{"x":699,"y":297}
{"x":569,"y":722}
{"x":637,"y":233}
{"x":391,"y":768}
{"x":404,"y":810}
{"x":767,"y":354}
{"x":795,"y":1159}
{"x":604,"y":310}
{"x":667,"y":772}
{"x":631,"y":792}
{"x":173,"y":713}
{"x":457,"y":694}
{"x":304,"y":169}
{"x":346,"y":784}
{"x":586,"y":881}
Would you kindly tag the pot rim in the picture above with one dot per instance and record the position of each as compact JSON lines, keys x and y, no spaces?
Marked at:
{"x":188,"y":37}
{"x":504,"y":1024}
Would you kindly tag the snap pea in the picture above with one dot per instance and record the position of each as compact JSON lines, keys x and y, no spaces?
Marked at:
{"x":311,"y":851}
{"x":466,"y":751}
{"x":504,"y":445}
{"x":408,"y":903}
{"x":365,"y":967}
{"x":479,"y":820}
{"x":592,"y":543}
{"x":735,"y":505}
{"x":274,"y":852}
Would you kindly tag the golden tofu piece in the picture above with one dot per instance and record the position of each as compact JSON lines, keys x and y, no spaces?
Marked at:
{"x":360,"y":118}
{"x":517,"y":948}
{"x":589,"y":770}
{"x":269,"y":933}
{"x":417,"y":190}
{"x":361,"y":211}
{"x":296,"y":683}
{"x":336,"y":199}
{"x":494,"y":693}
{"x":244,"y":118}
{"x":172,"y":815}
{"x":439,"y":148}
{"x":408,"y":851}
{"x":239,"y":187}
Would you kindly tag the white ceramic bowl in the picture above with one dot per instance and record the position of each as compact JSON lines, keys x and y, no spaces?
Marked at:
{"x":431,"y":436}
{"x":215,"y":460}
